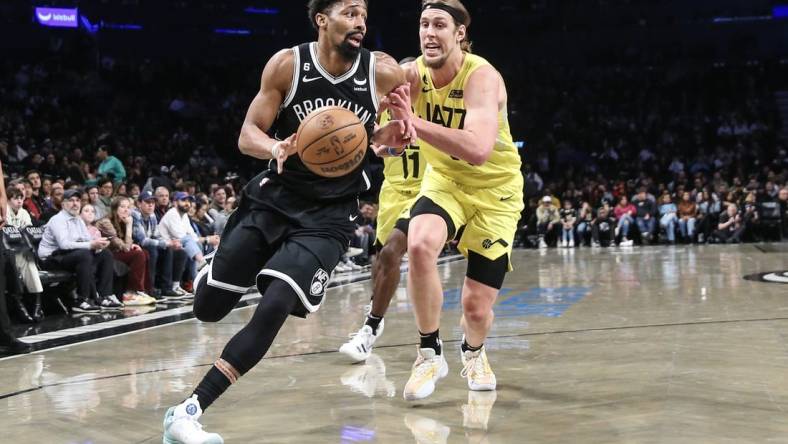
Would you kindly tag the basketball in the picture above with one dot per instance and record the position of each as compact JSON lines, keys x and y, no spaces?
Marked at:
{"x":332,"y":141}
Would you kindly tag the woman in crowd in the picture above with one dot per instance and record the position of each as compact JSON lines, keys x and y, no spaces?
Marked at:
{"x":687,"y":214}
{"x":117,"y":226}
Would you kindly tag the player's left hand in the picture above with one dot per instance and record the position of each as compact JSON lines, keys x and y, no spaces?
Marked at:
{"x":282,"y":150}
{"x":398,"y":101}
{"x":396,"y":133}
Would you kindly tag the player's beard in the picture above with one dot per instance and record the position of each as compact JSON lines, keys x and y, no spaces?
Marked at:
{"x":347,"y":50}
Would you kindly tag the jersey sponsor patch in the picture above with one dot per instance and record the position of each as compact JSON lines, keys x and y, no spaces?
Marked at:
{"x":456,"y":94}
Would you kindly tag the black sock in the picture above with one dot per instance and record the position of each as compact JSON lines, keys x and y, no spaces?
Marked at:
{"x":373,"y":322}
{"x":431,"y":340}
{"x":465,"y":347}
{"x":211,"y":387}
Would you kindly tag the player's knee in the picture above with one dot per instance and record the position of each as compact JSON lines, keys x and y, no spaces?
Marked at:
{"x":209,"y":305}
{"x":475,"y":310}
{"x":390,"y":256}
{"x":421,"y":252}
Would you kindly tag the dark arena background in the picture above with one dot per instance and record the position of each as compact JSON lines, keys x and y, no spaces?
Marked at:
{"x":648,"y":301}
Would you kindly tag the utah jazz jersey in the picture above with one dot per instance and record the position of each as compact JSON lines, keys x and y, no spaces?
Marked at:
{"x":314,"y":87}
{"x":446,"y":106}
{"x":404,"y":173}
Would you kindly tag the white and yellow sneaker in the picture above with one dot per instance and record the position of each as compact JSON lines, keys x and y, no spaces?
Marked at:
{"x":477,"y":370}
{"x":426,"y":371}
{"x":476,"y":413}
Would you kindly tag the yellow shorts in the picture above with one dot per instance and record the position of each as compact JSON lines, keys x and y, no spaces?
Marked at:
{"x":490,"y":215}
{"x":393,"y":204}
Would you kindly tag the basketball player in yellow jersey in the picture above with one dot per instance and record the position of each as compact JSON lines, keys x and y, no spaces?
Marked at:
{"x":473,"y":180}
{"x":402,"y":173}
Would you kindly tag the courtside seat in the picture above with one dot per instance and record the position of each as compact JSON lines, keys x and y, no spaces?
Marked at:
{"x":49,"y":278}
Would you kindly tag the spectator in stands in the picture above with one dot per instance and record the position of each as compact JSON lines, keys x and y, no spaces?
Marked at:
{"x":54,"y":202}
{"x":88,"y":216}
{"x":751,"y":218}
{"x":688,"y":216}
{"x":109,"y":166}
{"x":547,"y":220}
{"x":24,"y":261}
{"x":625,"y":217}
{"x":602,"y":231}
{"x":176,"y":225}
{"x":34,"y":204}
{"x":117,"y":227}
{"x":66,"y":245}
{"x":165,"y":256}
{"x":668,"y":218}
{"x":92,"y":193}
{"x":203,"y":224}
{"x":7,"y":340}
{"x":162,"y":202}
{"x":217,"y":210}
{"x":782,"y":199}
{"x":646,"y":209}
{"x":731,"y":226}
{"x":568,"y":220}
{"x":106,"y":189}
{"x":585,"y":219}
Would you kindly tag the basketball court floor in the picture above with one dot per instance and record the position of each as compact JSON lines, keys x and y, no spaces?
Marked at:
{"x":644,"y":345}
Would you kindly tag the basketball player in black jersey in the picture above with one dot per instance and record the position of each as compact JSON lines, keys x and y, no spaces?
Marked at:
{"x":291,"y":226}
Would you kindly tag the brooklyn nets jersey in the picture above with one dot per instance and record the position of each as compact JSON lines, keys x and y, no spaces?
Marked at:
{"x":314,"y":87}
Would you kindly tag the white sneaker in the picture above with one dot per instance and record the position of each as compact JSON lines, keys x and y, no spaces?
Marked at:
{"x":426,"y":430}
{"x":369,"y":378}
{"x":181,"y":425}
{"x":571,"y":243}
{"x":595,"y":245}
{"x":426,"y":371}
{"x":626,"y":243}
{"x":542,"y":243}
{"x":477,"y":370}
{"x":133,"y":299}
{"x":110,"y":303}
{"x":342,"y":268}
{"x":353,"y":252}
{"x":183,"y":294}
{"x":359,"y":347}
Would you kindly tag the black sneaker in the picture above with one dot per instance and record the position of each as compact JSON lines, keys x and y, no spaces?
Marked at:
{"x":110,"y":303}
{"x":85,"y":307}
{"x":168,"y":294}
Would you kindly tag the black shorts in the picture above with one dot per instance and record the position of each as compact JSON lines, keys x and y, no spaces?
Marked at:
{"x":260,"y":244}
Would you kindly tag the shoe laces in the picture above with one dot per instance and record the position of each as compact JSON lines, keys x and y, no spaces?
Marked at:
{"x":423,"y":366}
{"x":474,"y":365}
{"x":362,"y":335}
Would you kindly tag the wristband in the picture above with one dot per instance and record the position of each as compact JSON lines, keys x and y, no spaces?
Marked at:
{"x":392,"y":152}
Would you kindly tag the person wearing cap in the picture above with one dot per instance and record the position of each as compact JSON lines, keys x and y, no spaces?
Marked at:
{"x":547,"y":220}
{"x":67,"y":245}
{"x":175,"y":225}
{"x":165,"y":256}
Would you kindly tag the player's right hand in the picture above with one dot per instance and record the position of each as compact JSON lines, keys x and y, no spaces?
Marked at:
{"x":282,"y":150}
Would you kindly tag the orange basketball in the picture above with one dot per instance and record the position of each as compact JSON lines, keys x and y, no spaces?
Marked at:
{"x":332,"y":141}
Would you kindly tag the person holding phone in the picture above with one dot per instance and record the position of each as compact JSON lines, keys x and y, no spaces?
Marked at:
{"x":67,"y":245}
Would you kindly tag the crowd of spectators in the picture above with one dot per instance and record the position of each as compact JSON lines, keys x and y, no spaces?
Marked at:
{"x":131,"y":168}
{"x":629,"y":156}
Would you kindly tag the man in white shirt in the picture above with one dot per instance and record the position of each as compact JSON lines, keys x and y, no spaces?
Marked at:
{"x":175,"y":225}
{"x":67,"y":245}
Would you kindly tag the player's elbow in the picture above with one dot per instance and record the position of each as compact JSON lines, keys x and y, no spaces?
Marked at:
{"x":479,"y":157}
{"x":244,"y":141}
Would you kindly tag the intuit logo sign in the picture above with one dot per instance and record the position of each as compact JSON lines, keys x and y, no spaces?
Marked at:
{"x":57,"y":17}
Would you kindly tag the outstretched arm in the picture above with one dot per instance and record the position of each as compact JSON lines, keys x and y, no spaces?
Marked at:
{"x":274,"y":86}
{"x":388,"y":76}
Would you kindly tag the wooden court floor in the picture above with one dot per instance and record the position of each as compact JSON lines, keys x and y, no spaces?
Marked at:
{"x":643,"y":345}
